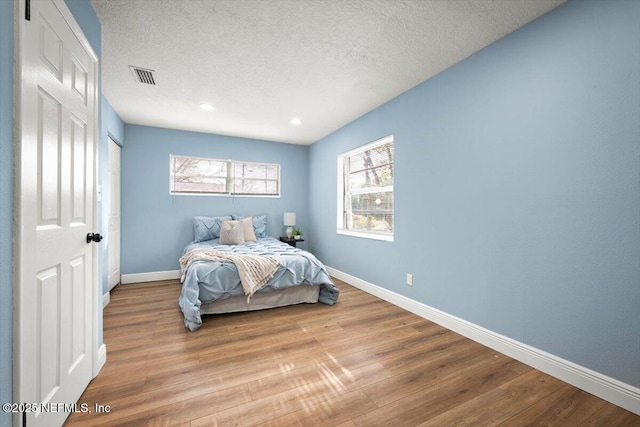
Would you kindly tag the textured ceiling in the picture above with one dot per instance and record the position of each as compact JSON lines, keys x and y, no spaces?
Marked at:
{"x":263,"y":62}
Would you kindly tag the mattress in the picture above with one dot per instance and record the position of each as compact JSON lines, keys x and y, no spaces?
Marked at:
{"x":207,"y":282}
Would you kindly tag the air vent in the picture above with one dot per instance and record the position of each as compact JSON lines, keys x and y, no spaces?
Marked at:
{"x":143,"y":75}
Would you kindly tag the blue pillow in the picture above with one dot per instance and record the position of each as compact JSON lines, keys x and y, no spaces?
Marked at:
{"x":207,"y":228}
{"x":259,"y":224}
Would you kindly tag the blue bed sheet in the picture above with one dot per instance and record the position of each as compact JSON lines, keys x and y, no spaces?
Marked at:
{"x":207,"y":281}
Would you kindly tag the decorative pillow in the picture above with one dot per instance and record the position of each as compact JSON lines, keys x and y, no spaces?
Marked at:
{"x":231,"y":233}
{"x":249,"y":234}
{"x":259,"y":224}
{"x":207,"y":228}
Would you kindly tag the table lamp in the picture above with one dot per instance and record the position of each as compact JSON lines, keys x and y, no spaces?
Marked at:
{"x":289,"y":222}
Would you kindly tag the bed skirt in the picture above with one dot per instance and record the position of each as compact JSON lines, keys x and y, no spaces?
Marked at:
{"x":263,"y":300}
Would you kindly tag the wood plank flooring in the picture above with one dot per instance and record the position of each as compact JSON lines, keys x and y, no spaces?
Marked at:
{"x":361,"y":362}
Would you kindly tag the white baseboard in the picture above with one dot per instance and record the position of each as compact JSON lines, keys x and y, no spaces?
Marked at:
{"x":607,"y":388}
{"x":149,"y":277}
{"x":99,"y":360}
{"x":106,"y":299}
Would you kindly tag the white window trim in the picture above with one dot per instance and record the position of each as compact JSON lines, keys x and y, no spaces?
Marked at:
{"x":340,"y":195}
{"x":229,"y":193}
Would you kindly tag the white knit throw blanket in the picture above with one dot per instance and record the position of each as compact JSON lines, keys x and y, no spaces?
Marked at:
{"x":254,"y":270}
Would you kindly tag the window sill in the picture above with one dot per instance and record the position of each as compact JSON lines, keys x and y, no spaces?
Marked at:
{"x":181,"y":193}
{"x":373,"y":236}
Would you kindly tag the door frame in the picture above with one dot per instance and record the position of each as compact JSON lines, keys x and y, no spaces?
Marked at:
{"x":99,"y":351}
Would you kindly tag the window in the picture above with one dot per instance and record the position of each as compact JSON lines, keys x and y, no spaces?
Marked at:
{"x":195,"y":175}
{"x":365,"y":191}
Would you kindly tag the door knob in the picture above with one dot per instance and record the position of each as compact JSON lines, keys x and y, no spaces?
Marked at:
{"x":91,"y":237}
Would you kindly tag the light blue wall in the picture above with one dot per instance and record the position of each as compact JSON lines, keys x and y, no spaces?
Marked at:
{"x":86,"y":17}
{"x":156,"y":226}
{"x":6,"y":204}
{"x":517,"y":188}
{"x":111,"y":126}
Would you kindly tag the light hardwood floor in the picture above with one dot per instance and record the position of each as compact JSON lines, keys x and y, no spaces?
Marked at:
{"x":361,"y":362}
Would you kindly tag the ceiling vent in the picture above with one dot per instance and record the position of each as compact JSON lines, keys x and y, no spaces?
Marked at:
{"x":143,"y":75}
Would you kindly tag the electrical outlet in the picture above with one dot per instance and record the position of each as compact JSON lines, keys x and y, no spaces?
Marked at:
{"x":409,"y":279}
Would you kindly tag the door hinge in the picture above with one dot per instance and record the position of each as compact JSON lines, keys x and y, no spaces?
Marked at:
{"x":27,"y":10}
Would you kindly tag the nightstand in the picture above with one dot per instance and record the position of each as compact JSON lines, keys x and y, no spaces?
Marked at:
{"x":291,"y":241}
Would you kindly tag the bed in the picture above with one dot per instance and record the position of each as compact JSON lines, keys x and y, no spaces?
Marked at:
{"x":213,"y":287}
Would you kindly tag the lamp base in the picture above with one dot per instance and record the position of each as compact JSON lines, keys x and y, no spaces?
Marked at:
{"x":289,"y":232}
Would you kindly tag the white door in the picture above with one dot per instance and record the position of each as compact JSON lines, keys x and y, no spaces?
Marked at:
{"x":55,"y":150}
{"x":114,"y":214}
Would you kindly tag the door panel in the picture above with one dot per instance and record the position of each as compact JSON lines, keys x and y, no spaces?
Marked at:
{"x":48,"y":333}
{"x":77,"y":326}
{"x":78,"y":177}
{"x":49,"y":134}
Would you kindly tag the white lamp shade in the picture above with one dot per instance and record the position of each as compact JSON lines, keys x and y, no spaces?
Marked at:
{"x":289,"y":218}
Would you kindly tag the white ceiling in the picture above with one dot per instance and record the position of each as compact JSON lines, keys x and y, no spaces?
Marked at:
{"x":263,"y":62}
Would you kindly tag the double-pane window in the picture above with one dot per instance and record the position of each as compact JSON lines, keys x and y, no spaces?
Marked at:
{"x":365,"y":193}
{"x":196,"y":175}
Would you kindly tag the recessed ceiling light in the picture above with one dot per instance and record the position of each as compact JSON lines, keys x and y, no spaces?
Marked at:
{"x":296,"y":121}
{"x":206,"y":107}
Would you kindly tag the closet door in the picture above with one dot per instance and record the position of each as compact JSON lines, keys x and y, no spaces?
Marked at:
{"x":114,"y":214}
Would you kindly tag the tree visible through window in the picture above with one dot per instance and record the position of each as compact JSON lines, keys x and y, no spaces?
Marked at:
{"x":195,"y":175}
{"x":366,"y":190}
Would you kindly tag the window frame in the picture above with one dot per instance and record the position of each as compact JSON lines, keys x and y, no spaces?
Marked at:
{"x":229,"y":179}
{"x":342,"y":213}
